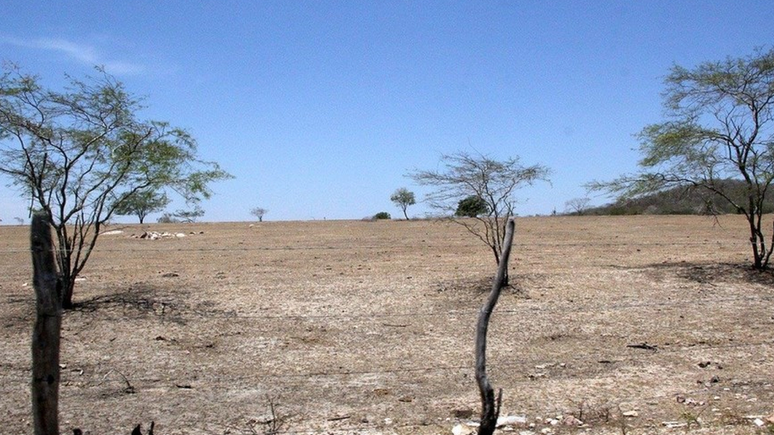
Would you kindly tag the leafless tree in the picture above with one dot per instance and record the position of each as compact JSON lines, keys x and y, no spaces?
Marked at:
{"x":465,"y":175}
{"x":577,"y":205}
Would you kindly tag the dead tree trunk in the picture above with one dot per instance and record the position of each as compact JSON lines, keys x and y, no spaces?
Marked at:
{"x":45,"y":336}
{"x":490,"y":408}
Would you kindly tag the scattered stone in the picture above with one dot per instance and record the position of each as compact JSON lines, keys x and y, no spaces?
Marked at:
{"x":153,"y":235}
{"x":758,"y":422}
{"x":462,"y":429}
{"x":511,"y":420}
{"x":630,"y":414}
{"x":170,"y":275}
{"x":570,"y":420}
{"x":112,"y":233}
{"x":674,"y":424}
{"x":704,"y":365}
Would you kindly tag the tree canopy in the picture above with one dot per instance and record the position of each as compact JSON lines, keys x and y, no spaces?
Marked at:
{"x":466,"y":176}
{"x":719,"y":127}
{"x":403,"y":198}
{"x":80,"y":154}
{"x":142,"y":203}
{"x":472,"y":206}
{"x":258,"y":212}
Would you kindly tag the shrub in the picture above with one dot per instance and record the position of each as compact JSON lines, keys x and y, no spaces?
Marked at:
{"x":382,"y":215}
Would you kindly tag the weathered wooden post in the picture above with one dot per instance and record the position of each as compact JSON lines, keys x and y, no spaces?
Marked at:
{"x":490,"y":408}
{"x":45,"y":335}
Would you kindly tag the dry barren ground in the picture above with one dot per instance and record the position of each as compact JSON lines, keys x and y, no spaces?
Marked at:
{"x":367,"y":327}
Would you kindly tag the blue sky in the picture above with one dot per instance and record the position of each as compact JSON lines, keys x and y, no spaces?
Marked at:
{"x":319,"y":108}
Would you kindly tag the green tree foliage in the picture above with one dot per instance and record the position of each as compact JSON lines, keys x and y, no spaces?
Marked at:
{"x":719,"y":127}
{"x":188,"y":216}
{"x":403,"y":198}
{"x":382,"y":215}
{"x":472,"y":206}
{"x":79,"y":154}
{"x":683,"y":200}
{"x":142,"y":203}
{"x":494,"y":181}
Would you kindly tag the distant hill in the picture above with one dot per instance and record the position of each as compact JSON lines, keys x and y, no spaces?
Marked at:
{"x":681,"y":200}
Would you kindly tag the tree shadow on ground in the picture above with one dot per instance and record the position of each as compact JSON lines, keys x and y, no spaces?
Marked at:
{"x":139,"y":299}
{"x":142,"y":299}
{"x":709,"y":273}
{"x":481,"y":285}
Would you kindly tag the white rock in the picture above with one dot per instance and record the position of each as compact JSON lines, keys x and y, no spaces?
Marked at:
{"x":180,"y":235}
{"x":674,"y":424}
{"x":570,"y":420}
{"x":112,"y":233}
{"x":511,"y":420}
{"x":462,"y":429}
{"x":758,"y":422}
{"x":630,"y":413}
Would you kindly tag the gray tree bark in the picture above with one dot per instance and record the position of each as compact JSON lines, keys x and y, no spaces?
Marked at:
{"x":490,"y":407}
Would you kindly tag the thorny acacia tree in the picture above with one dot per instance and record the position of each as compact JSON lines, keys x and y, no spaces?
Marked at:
{"x":259,"y":212}
{"x":142,"y":203}
{"x":465,"y":175}
{"x":577,"y":206}
{"x":720,"y":128}
{"x":403,"y":198}
{"x":79,"y":154}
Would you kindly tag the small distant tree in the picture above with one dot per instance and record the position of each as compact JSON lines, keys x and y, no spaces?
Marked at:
{"x":577,"y":205}
{"x":472,"y":206}
{"x":382,"y":215}
{"x":142,"y":203}
{"x":167,"y":218}
{"x":189,"y":216}
{"x":478,"y":176}
{"x":19,"y":220}
{"x":403,"y":198}
{"x":259,"y":212}
{"x":720,"y":127}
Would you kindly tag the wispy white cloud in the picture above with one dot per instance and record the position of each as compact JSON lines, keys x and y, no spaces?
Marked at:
{"x":82,"y":53}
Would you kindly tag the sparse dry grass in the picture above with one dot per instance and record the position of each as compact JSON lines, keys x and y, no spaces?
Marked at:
{"x":367,"y":327}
